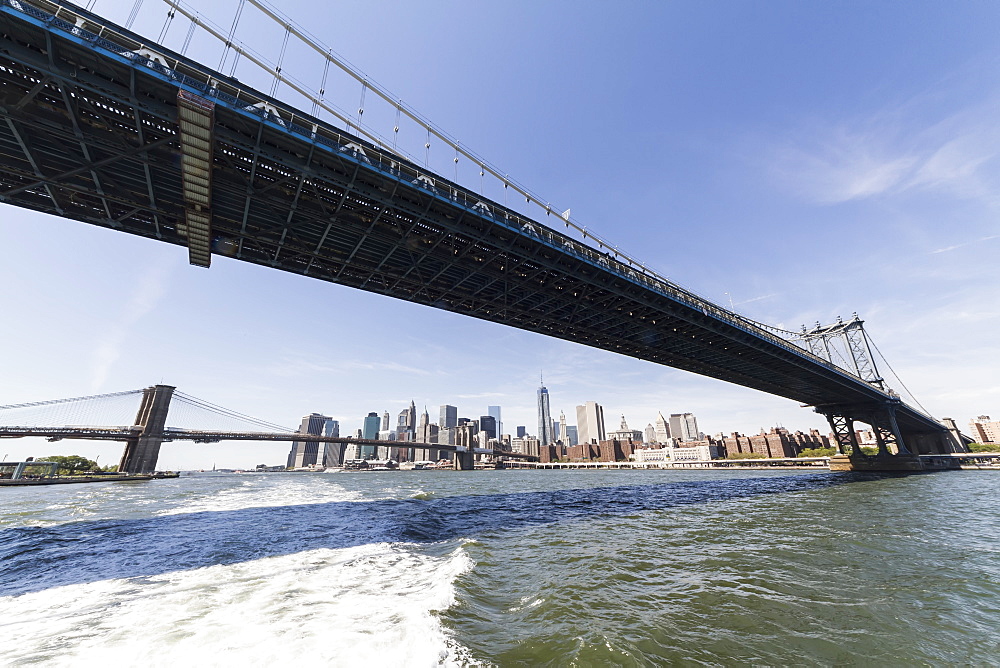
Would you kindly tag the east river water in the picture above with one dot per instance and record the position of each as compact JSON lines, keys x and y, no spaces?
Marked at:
{"x":505,"y":568}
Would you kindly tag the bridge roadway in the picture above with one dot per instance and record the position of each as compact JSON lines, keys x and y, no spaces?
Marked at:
{"x":99,"y":125}
{"x":127,"y":433}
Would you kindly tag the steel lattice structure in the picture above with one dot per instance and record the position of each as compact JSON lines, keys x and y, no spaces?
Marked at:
{"x":101,"y":126}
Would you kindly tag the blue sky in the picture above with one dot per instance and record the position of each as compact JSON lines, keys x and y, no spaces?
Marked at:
{"x":807,"y":160}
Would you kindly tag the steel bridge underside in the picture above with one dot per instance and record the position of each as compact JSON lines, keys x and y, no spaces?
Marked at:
{"x":94,"y":138}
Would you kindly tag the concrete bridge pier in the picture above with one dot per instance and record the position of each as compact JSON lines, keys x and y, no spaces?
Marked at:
{"x":142,"y":452}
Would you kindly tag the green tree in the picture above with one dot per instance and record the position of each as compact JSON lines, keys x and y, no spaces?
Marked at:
{"x":984,"y":447}
{"x":71,"y":464}
{"x":745,"y":455}
{"x":818,"y":452}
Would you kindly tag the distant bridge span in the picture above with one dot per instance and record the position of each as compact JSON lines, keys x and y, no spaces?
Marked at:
{"x":99,"y":125}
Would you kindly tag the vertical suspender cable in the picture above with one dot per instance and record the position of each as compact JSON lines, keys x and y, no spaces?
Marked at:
{"x":187,"y":39}
{"x":166,"y":26}
{"x":232,"y":34}
{"x":322,"y":88}
{"x":133,"y":14}
{"x":361,"y":105}
{"x":281,"y":59}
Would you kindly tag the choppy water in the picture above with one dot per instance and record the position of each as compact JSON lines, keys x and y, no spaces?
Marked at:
{"x":584,"y":568}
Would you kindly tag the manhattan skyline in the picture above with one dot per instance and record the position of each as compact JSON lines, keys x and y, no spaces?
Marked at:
{"x":802,"y":189}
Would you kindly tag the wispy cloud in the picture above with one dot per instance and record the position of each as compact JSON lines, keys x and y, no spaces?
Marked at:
{"x":890,"y":152}
{"x":150,"y":288}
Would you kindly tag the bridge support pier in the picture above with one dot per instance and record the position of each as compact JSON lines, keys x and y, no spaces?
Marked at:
{"x":465,"y":460}
{"x":142,"y":452}
{"x":892,"y":454}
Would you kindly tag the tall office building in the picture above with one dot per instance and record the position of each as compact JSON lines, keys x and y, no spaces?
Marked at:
{"x":385,"y":422}
{"x":563,"y":435}
{"x":684,"y":427}
{"x":488,"y":424}
{"x":662,"y":429}
{"x":521,"y":431}
{"x":544,"y":418}
{"x":494,"y":412}
{"x":449,"y":417}
{"x":590,"y":422}
{"x":407,"y":423}
{"x":371,"y":426}
{"x":307,"y":453}
{"x":330,"y":454}
{"x":650,"y":435}
{"x":572,"y":437}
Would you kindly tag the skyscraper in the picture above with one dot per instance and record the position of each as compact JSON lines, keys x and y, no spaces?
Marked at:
{"x":494,"y":412}
{"x":521,"y":431}
{"x":488,"y":424}
{"x":544,"y":418}
{"x":590,"y":422}
{"x":684,"y":427}
{"x":650,"y":434}
{"x":307,"y":453}
{"x":662,"y":430}
{"x":370,"y":428}
{"x":385,"y":422}
{"x":449,"y":417}
{"x":563,"y":434}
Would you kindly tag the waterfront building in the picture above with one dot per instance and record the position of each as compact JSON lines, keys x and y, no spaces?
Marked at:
{"x":307,"y":453}
{"x":449,"y":417}
{"x":684,"y":427}
{"x":590,"y":422}
{"x":778,"y":442}
{"x":494,"y":412}
{"x":695,"y":453}
{"x":985,"y":430}
{"x":544,"y":417}
{"x":662,"y":429}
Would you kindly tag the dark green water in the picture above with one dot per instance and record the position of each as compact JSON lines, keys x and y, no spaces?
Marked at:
{"x":560,"y":568}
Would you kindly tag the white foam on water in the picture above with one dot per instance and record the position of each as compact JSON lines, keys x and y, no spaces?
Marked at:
{"x":372,"y":605}
{"x":257,"y":492}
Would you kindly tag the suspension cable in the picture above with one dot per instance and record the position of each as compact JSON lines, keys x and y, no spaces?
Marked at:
{"x":63,"y":401}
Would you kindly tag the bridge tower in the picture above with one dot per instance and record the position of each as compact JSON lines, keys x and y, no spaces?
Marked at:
{"x":142,"y":452}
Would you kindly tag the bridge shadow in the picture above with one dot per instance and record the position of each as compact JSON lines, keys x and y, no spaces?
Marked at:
{"x":38,"y":558}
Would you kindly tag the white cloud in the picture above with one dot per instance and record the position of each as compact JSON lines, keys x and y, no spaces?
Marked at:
{"x":890,"y":152}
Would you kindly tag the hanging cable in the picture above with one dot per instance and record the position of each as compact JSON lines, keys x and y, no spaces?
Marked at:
{"x":281,"y":58}
{"x":895,"y":375}
{"x":232,"y":34}
{"x":395,"y":129}
{"x":322,"y":88}
{"x":427,"y":150}
{"x":187,"y":39}
{"x":361,"y":105}
{"x":133,"y":14}
{"x":166,"y":26}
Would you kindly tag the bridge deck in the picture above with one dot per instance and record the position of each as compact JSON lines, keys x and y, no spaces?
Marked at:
{"x":90,"y":132}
